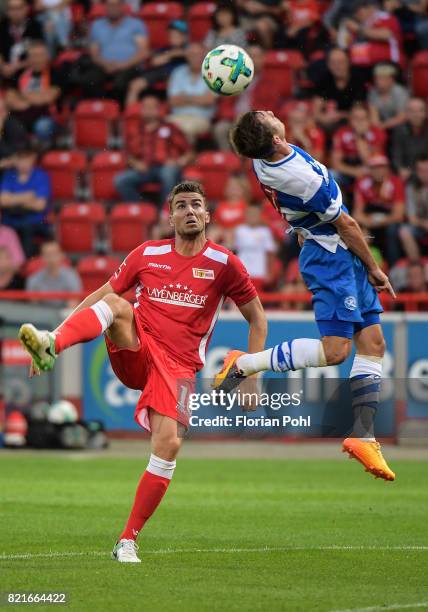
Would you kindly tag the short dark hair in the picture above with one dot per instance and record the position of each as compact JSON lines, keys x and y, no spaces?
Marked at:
{"x":251,"y":137}
{"x":186,"y":187}
{"x":230,"y":8}
{"x":422,"y":158}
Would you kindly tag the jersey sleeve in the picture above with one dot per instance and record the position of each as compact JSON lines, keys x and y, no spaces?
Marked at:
{"x":238,"y":285}
{"x":126,"y":276}
{"x":325,"y":204}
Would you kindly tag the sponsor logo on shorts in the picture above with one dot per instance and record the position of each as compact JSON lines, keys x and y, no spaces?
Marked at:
{"x":200,"y":273}
{"x":350,"y":302}
{"x":177,"y":295}
{"x":152,"y":264}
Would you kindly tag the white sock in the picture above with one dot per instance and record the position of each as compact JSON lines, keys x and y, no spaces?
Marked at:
{"x":104,"y":314}
{"x":293,"y":355}
{"x":161,"y":467}
{"x":365,"y":371}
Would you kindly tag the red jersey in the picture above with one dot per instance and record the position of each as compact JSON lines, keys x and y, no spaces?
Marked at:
{"x":380,"y":196}
{"x":375,"y":51}
{"x":179,"y":298}
{"x":345,"y":142}
{"x":156,"y":146}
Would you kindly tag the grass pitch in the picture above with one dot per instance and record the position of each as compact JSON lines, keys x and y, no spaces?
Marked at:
{"x":229,"y":535}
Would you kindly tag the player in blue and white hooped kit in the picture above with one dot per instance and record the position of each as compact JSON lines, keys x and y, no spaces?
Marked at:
{"x":337,"y":267}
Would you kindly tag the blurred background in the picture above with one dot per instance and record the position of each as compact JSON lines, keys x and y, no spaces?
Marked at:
{"x":103,"y":110}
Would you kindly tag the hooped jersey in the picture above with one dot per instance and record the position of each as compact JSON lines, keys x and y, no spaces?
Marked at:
{"x":305,"y":193}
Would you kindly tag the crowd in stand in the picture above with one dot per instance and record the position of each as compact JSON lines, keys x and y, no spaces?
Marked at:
{"x":351,"y":102}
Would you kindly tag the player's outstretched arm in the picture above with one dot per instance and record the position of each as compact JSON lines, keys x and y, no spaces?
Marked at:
{"x":353,"y":237}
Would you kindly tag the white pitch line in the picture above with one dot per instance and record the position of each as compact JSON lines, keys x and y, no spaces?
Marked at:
{"x":172,"y":551}
{"x":421,"y":604}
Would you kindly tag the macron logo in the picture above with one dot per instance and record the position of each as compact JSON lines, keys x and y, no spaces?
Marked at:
{"x":161,"y":266}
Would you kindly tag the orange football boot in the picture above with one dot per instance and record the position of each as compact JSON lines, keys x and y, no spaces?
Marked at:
{"x":370,"y":455}
{"x":229,"y":376}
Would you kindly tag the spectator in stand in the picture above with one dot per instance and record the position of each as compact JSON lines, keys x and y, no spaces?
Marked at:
{"x":410,"y":140}
{"x":118,"y":47}
{"x":379,"y":205}
{"x":262,"y":94}
{"x":225,"y":28}
{"x":17,"y":30}
{"x":163,"y":62}
{"x":337,"y":91}
{"x":10,"y":241}
{"x":34,"y":93}
{"x":192,"y":104}
{"x":416,"y":278}
{"x":255,"y":247}
{"x":231,"y":211}
{"x":387,"y":99}
{"x":56,"y":19}
{"x":303,"y":131}
{"x":12,"y":135}
{"x":24,"y":199}
{"x":55,"y":276}
{"x":9,"y":279}
{"x":415,"y":234}
{"x":304,"y":30}
{"x":354,"y":144}
{"x":157,"y":152}
{"x":372,"y":35}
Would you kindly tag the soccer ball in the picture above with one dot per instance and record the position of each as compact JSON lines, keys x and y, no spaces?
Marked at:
{"x":62,"y":412}
{"x":227,"y":70}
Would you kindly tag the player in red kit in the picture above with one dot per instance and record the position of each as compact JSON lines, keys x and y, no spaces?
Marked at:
{"x":181,"y":284}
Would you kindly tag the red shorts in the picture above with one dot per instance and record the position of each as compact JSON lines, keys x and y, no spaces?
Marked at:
{"x":160,"y":378}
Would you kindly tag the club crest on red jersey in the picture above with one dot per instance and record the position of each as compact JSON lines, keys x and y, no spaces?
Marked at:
{"x":200,"y":273}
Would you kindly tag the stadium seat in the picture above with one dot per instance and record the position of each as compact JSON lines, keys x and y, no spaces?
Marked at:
{"x":156,"y":16}
{"x":95,"y":270}
{"x":104,"y":167}
{"x":214,"y":168}
{"x":65,"y":169}
{"x":129,"y":224}
{"x":279,"y":68}
{"x":94,"y":123}
{"x":199,"y":18}
{"x":78,"y":226}
{"x":420,"y":74}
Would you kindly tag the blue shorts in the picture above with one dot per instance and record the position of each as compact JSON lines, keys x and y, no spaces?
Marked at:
{"x":343,"y":299}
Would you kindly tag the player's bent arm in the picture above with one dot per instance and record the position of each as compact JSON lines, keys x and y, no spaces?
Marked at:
{"x":254,"y":313}
{"x":353,"y":237}
{"x":93,"y":298}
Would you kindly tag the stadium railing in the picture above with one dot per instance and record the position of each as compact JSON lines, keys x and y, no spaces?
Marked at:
{"x":407,"y":300}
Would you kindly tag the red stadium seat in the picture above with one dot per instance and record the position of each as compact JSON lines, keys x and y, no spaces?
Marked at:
{"x":200,"y":20}
{"x":65,"y":169}
{"x":214,"y":169}
{"x":129,"y":224}
{"x":420,"y":74}
{"x":278,"y":68}
{"x":78,"y":226}
{"x":156,"y":16}
{"x":104,"y":167}
{"x":95,"y":270}
{"x":94,"y":122}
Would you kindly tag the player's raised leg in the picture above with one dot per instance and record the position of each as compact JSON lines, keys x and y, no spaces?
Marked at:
{"x":365,"y":380}
{"x":92,"y":318}
{"x":289,"y":355}
{"x":165,"y":443}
